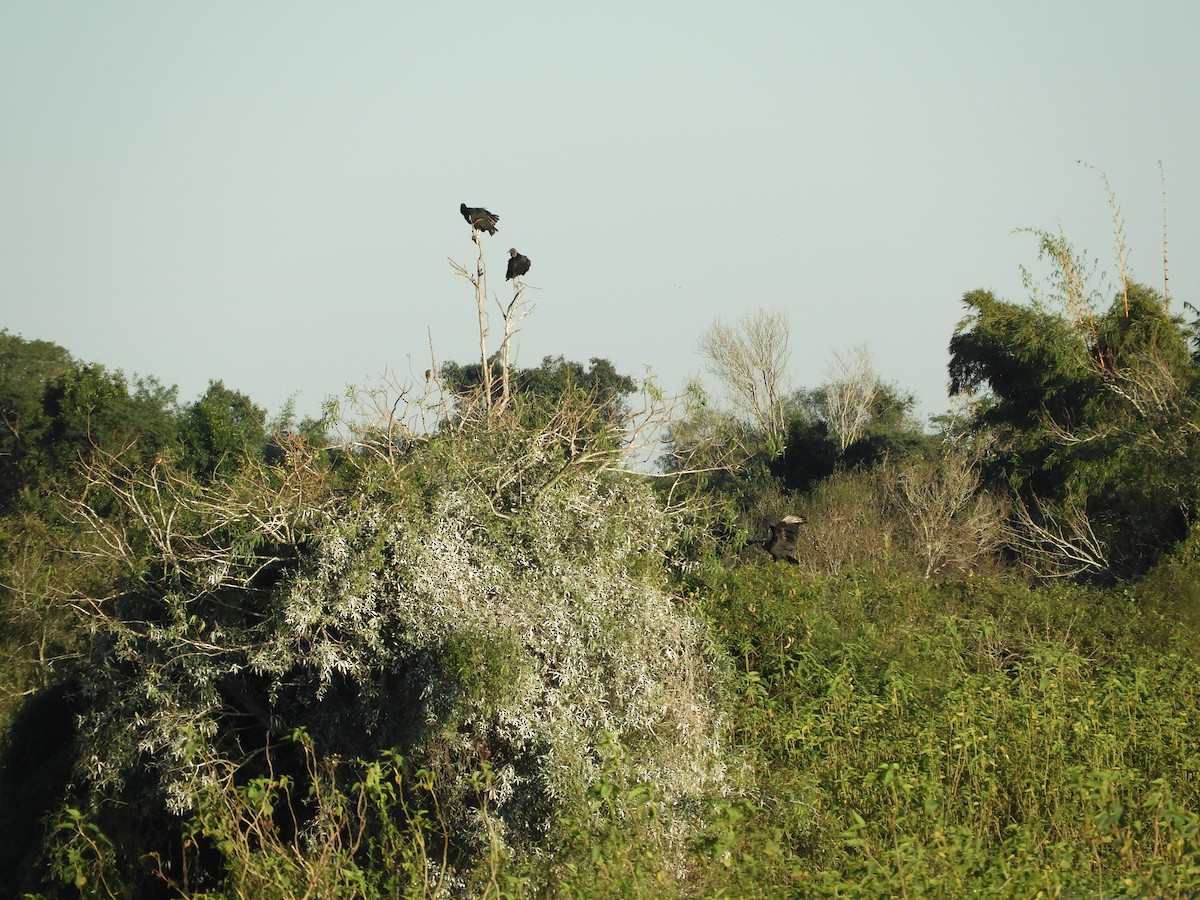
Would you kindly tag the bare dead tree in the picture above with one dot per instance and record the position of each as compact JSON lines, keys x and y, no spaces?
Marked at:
{"x":478,"y":280}
{"x":950,"y":523}
{"x":480,"y":283}
{"x":848,"y":398}
{"x":750,"y":360}
{"x":511,"y":314}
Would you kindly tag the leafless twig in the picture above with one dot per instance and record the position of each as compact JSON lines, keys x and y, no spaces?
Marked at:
{"x":1056,"y":544}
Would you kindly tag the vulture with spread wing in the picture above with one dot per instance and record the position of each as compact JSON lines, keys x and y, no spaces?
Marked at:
{"x":479,"y":218}
{"x":781,"y":543}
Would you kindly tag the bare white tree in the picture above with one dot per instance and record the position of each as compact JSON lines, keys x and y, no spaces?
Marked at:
{"x":848,"y":398}
{"x":512,"y":314}
{"x":750,"y":359}
{"x":952,"y":525}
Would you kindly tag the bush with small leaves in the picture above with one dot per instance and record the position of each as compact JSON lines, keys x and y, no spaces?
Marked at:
{"x":491,"y":599}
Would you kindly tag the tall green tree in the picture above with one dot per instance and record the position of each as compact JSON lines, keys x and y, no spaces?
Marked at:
{"x":221,"y":430}
{"x":539,"y":389}
{"x":86,"y":408}
{"x":1086,"y":415}
{"x":26,"y":368}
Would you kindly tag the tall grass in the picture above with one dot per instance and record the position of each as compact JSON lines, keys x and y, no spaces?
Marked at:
{"x":914,"y":740}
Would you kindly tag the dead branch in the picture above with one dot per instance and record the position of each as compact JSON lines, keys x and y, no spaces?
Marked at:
{"x":750,"y":360}
{"x":189,"y":527}
{"x":848,"y":400}
{"x":1056,"y":544}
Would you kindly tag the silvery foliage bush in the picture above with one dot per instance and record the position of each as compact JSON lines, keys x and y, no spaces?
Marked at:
{"x":486,"y":601}
{"x":558,"y":599}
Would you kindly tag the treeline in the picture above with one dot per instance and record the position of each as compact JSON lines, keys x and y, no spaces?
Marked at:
{"x":57,"y":409}
{"x":59,"y":413}
{"x":1073,"y":421}
{"x":447,"y":642}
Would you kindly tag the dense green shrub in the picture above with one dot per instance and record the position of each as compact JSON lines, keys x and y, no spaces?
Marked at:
{"x":1086,"y":415}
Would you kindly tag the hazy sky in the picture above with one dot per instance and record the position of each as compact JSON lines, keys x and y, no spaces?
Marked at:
{"x":267,"y":193}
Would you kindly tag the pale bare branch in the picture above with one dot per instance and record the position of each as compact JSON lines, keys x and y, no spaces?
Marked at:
{"x":951,"y":524}
{"x":750,"y":360}
{"x":1162,"y":175}
{"x":1056,"y":543}
{"x":848,"y":399}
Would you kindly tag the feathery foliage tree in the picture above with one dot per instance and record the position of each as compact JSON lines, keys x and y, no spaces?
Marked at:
{"x":1087,"y":416}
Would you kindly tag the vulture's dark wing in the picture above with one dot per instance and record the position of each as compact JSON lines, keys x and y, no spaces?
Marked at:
{"x":518,"y":265}
{"x":782,"y":542}
{"x":479,"y":218}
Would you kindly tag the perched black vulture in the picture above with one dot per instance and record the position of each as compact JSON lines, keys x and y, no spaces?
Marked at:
{"x":782,"y":542}
{"x":518,"y":265}
{"x":480,"y":218}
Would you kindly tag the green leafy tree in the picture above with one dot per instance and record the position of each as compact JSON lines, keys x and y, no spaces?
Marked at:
{"x":91,"y":406}
{"x":84,"y":409}
{"x":221,"y":430}
{"x":26,"y":368}
{"x":816,"y":449}
{"x":595,"y":397}
{"x":545,"y":385}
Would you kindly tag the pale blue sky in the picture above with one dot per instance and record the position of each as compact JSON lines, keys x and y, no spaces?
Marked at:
{"x":267,"y":193}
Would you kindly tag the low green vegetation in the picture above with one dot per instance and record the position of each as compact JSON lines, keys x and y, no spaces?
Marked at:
{"x":456,"y":646}
{"x":946,"y":740}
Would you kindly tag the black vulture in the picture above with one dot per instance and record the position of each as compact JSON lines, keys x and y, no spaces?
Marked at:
{"x":782,"y":542}
{"x":480,"y":218}
{"x":518,"y":265}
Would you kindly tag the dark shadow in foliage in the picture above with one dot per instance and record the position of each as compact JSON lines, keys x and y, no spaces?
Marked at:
{"x":812,"y":453}
{"x":809,"y":456}
{"x":36,"y":761}
{"x":878,"y":447}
